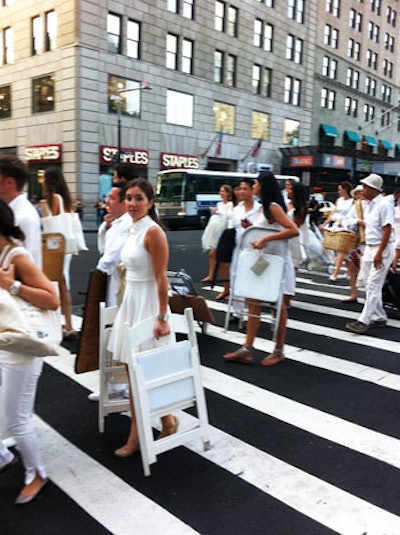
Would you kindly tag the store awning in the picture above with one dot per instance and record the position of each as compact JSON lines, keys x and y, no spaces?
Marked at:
{"x":330,"y":131}
{"x":386,"y":144}
{"x":369,"y":140}
{"x":352,"y":136}
{"x":397,"y":146}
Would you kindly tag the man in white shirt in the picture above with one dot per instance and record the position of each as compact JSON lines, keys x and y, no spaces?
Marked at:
{"x":111,"y":238}
{"x":378,"y":254}
{"x":13,"y":178}
{"x":245,"y":212}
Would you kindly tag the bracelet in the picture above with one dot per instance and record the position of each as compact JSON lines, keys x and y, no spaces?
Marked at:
{"x":15,"y":288}
{"x":162,"y":317}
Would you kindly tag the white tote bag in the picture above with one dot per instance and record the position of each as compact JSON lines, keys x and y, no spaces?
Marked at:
{"x":63,"y":224}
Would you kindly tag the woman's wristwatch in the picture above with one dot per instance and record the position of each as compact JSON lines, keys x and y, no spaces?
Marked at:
{"x":162,"y":317}
{"x":15,"y":287}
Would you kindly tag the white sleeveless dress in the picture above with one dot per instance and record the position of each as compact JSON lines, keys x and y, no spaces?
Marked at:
{"x":140,"y":299}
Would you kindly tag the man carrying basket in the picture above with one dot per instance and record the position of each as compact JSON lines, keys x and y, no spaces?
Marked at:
{"x":378,"y":254}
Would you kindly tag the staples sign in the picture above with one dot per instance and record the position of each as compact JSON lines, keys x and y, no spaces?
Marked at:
{"x":175,"y":161}
{"x":44,"y":153}
{"x":108,"y":155}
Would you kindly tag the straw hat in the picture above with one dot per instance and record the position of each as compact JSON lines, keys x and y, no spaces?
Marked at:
{"x":373,"y":181}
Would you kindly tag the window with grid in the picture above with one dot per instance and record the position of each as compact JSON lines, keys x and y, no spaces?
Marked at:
{"x":232,"y":26}
{"x":291,"y":132}
{"x":5,"y":102}
{"x":128,"y":101}
{"x":389,"y":42}
{"x":351,"y":106}
{"x":352,"y":78}
{"x":133,"y":39}
{"x":187,"y":56}
{"x":231,"y":62}
{"x":37,"y":35}
{"x":294,"y":49}
{"x":295,"y":10}
{"x":376,"y":6}
{"x":218,"y":66}
{"x":51,"y":31}
{"x":7,"y":46}
{"x":333,"y":6}
{"x":219,"y":20}
{"x":328,"y":98}
{"x":43,"y":94}
{"x":257,"y":34}
{"x":329,"y":67}
{"x":369,"y":112}
{"x":268,"y":37}
{"x":266,"y":82}
{"x":260,"y":125}
{"x":114,"y":43}
{"x":224,"y":117}
{"x":188,"y":9}
{"x":292,"y":91}
{"x":386,"y":92}
{"x":387,"y":68}
{"x":171,"y":60}
{"x":256,"y":79}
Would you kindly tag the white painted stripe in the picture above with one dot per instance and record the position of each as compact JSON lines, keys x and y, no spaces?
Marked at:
{"x":104,"y":496}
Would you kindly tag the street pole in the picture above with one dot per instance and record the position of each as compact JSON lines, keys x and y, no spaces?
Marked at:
{"x":143,"y":85}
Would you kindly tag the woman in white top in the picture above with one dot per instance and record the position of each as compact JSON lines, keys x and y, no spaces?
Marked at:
{"x":342,"y":207}
{"x":271,"y":215}
{"x":223,"y":211}
{"x":19,"y":372}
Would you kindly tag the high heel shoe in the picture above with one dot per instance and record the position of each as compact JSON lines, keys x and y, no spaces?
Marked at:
{"x":173,"y":428}
{"x":127,"y":451}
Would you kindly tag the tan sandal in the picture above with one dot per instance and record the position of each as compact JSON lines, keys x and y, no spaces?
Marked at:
{"x":273,"y":358}
{"x":244,"y":355}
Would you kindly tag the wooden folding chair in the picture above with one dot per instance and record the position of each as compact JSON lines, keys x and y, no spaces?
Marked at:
{"x":164,"y":380}
{"x":111,"y":372}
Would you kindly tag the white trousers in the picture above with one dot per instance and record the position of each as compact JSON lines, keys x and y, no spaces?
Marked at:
{"x":374,"y":280}
{"x":17,"y":399}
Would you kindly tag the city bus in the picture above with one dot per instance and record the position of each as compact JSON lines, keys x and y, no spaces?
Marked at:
{"x":187,"y":197}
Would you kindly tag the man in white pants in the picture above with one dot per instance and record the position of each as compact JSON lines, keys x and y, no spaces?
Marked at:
{"x":111,"y":238}
{"x":378,"y":254}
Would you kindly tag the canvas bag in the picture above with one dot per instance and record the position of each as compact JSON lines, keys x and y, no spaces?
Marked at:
{"x":63,"y":224}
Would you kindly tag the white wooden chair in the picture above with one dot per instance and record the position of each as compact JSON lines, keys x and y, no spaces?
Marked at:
{"x":110,"y":371}
{"x":164,"y":380}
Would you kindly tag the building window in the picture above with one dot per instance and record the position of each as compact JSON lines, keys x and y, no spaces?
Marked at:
{"x":328,"y":98}
{"x":5,"y":102}
{"x":172,"y":52}
{"x":351,"y":106}
{"x":37,"y":35}
{"x":292,"y":91}
{"x":231,"y":62}
{"x":333,"y":6}
{"x":369,"y":112}
{"x":114,"y":33}
{"x":188,"y":9}
{"x":224,"y":118}
{"x":43,"y":94}
{"x":187,"y":56}
{"x":218,"y":66}
{"x":172,"y":5}
{"x":352,"y":78}
{"x":370,"y":86}
{"x":260,"y":125}
{"x":133,"y":39}
{"x":263,"y":35}
{"x":268,"y":37}
{"x":387,"y":68}
{"x":51,"y":31}
{"x":128,"y":101}
{"x":373,"y":32}
{"x":294,"y":49}
{"x":266,"y":83}
{"x":7,"y":46}
{"x":386,"y":92}
{"x":257,"y":36}
{"x":291,"y":132}
{"x":329,"y":67}
{"x":232,"y":27}
{"x":372,"y":59}
{"x":256,"y":79}
{"x":376,"y":6}
{"x":385,"y":118}
{"x":295,"y":10}
{"x":331,"y":36}
{"x":355,"y":20}
{"x":179,"y":108}
{"x":219,"y":21}
{"x":391,"y":16}
{"x":389,"y":42}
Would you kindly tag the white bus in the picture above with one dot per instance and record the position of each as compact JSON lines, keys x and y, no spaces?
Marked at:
{"x":186,"y":197}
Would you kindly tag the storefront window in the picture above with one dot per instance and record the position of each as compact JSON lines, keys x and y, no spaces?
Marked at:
{"x":5,"y":101}
{"x":260,"y":125}
{"x":129,"y":100}
{"x":43,"y":94}
{"x":224,"y":118}
{"x":291,"y":132}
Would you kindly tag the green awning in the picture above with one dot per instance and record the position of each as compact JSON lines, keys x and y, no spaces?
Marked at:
{"x":369,"y":140}
{"x":386,"y":144}
{"x":352,"y":136}
{"x":330,"y":131}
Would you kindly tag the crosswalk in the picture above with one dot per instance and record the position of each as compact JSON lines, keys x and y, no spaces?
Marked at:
{"x":307,"y":447}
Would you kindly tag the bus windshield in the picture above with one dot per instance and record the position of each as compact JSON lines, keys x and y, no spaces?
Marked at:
{"x":171,"y":187}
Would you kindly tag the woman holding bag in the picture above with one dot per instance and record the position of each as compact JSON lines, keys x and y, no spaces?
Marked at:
{"x":57,"y":201}
{"x":19,"y":372}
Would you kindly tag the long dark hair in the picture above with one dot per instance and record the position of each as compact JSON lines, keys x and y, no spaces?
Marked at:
{"x":55,"y":183}
{"x":270,"y":191}
{"x":299,"y":201}
{"x":8,"y":228}
{"x":148,"y":190}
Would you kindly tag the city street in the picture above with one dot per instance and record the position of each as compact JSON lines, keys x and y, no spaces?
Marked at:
{"x":310,"y":446}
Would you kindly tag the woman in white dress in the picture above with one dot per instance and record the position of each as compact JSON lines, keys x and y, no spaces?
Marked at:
{"x":145,"y":256}
{"x":223,"y":211}
{"x":272,"y":215}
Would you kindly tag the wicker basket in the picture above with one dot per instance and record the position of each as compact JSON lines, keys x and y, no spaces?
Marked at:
{"x":340,"y":240}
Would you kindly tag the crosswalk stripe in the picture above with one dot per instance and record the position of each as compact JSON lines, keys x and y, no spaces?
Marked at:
{"x":107,"y":498}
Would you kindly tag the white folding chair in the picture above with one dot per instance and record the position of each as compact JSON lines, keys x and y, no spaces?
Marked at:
{"x":164,"y":380}
{"x":110,"y":371}
{"x":266,"y":287}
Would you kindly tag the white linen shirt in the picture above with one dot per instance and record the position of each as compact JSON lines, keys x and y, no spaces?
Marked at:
{"x":113,"y":239}
{"x":239,"y":213}
{"x":378,"y":213}
{"x":27,"y":218}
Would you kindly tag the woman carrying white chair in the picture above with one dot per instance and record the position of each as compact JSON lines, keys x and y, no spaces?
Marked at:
{"x":145,"y":255}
